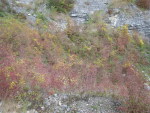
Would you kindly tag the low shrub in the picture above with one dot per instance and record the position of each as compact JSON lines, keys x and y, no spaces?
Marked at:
{"x":145,"y":4}
{"x":62,"y":6}
{"x":87,"y":58}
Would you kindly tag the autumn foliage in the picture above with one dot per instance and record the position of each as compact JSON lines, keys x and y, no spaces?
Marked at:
{"x":143,"y":4}
{"x":77,"y":60}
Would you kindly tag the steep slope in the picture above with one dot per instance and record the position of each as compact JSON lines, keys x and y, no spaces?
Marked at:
{"x":127,"y":14}
{"x":83,"y":67}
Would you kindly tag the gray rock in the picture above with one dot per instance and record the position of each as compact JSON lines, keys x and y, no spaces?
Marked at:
{"x":136,"y":20}
{"x":31,"y":9}
{"x":1,"y":106}
{"x":147,"y":86}
{"x":83,"y":8}
{"x":130,"y":14}
{"x":80,"y":104}
{"x":32,"y":111}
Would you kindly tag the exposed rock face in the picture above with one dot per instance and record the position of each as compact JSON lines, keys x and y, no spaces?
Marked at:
{"x":66,"y":103}
{"x":32,"y":10}
{"x":131,"y":15}
{"x":28,"y":8}
{"x":83,"y":8}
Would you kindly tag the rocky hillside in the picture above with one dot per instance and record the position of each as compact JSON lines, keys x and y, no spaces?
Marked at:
{"x":82,"y":56}
{"x":126,"y":14}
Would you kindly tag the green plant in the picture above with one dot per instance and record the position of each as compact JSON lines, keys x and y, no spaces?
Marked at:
{"x":94,"y":107}
{"x":2,"y":14}
{"x":41,"y":16}
{"x":62,"y":6}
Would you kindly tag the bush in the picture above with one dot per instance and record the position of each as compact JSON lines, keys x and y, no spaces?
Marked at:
{"x":62,"y":6}
{"x":87,"y":58}
{"x":144,"y":4}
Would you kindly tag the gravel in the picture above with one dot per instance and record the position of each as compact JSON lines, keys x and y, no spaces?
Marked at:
{"x":74,"y":103}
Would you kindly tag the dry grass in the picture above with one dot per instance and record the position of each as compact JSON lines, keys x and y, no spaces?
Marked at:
{"x":9,"y":106}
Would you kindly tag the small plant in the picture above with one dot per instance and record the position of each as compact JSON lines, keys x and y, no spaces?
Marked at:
{"x":62,"y":6}
{"x":2,"y":14}
{"x":41,"y":16}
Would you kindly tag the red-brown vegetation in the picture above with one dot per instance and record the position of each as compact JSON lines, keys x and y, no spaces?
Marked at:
{"x":144,"y":4}
{"x":72,"y":61}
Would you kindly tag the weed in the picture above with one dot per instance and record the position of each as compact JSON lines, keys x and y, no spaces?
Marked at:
{"x":62,"y":6}
{"x":41,"y":16}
